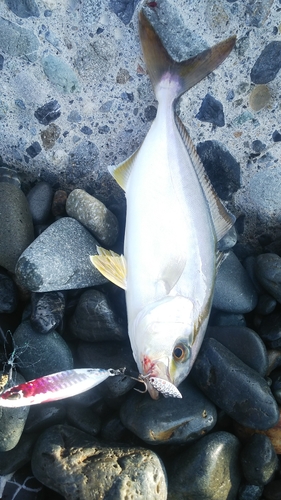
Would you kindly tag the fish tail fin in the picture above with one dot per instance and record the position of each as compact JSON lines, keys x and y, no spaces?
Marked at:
{"x":179,"y":76}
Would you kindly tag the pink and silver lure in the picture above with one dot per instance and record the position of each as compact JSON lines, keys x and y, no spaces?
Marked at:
{"x":53,"y":387}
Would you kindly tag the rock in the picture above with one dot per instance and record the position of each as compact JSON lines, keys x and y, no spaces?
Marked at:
{"x":12,"y":420}
{"x":109,"y":355}
{"x":207,"y":470}
{"x":250,"y":492}
{"x":113,"y":431}
{"x":86,"y":130}
{"x":234,"y":292}
{"x":268,"y":63}
{"x":220,"y":318}
{"x":93,"y":215}
{"x":59,"y":203}
{"x":222,"y":168}
{"x":16,"y":228}
{"x":257,"y":12}
{"x":234,"y":387}
{"x":276,"y":136}
{"x":123,"y":9}
{"x":41,"y":354}
{"x":266,"y":304}
{"x":40,"y":200}
{"x":259,"y":460}
{"x":274,"y":359}
{"x":78,"y":466}
{"x":14,"y":459}
{"x":66,"y":246}
{"x":244,"y":343}
{"x":48,"y":113}
{"x":268,"y":271}
{"x":211,"y":110}
{"x":47,"y":311}
{"x":60,"y":73}
{"x":18,"y":41}
{"x":85,"y":419}
{"x":23,"y":8}
{"x":34,"y":149}
{"x":169,"y":421}
{"x":94,"y":319}
{"x":258,"y":146}
{"x":43,"y":416}
{"x":150,"y":113}
{"x":50,"y":135}
{"x":259,"y":97}
{"x":9,"y":175}
{"x":270,"y":330}
{"x":272,"y":491}
{"x":8,"y":294}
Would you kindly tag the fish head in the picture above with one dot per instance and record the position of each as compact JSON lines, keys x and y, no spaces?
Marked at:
{"x":164,"y":341}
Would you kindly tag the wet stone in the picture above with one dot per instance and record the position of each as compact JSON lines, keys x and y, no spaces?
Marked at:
{"x":259,"y":460}
{"x":220,"y":318}
{"x":259,"y":97}
{"x":268,"y":272}
{"x":270,"y":330}
{"x":12,"y":420}
{"x":272,"y":491}
{"x":48,"y":113}
{"x":94,"y":319}
{"x":66,"y":246}
{"x":234,"y":291}
{"x":18,"y":41}
{"x":8,"y":294}
{"x":16,"y":228}
{"x":43,"y":416}
{"x":40,"y":200}
{"x":12,"y":460}
{"x":114,"y":431}
{"x":47,"y":311}
{"x":211,"y":110}
{"x":222,"y":168}
{"x":94,"y":215}
{"x":23,"y":8}
{"x":244,"y":343}
{"x":23,"y":486}
{"x":228,"y":241}
{"x":109,"y":355}
{"x":250,"y":492}
{"x":41,"y":354}
{"x":268,"y":63}
{"x":208,"y":470}
{"x":266,"y":304}
{"x":84,"y":419}
{"x":75,"y":464}
{"x":169,"y":420}
{"x":234,"y":387}
{"x":60,"y":73}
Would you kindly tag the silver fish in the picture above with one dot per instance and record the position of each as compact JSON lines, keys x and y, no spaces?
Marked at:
{"x":174,"y":221}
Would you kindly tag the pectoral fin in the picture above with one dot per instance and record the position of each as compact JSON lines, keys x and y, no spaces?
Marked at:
{"x":121,"y":172}
{"x":111,"y":265}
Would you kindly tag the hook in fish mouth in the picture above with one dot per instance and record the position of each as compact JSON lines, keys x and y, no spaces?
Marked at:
{"x":166,"y":388}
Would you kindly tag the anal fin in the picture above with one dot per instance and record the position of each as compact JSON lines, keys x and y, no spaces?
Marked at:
{"x":111,"y":265}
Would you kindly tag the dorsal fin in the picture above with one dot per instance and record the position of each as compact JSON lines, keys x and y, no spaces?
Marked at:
{"x":121,"y":172}
{"x":223,"y":220}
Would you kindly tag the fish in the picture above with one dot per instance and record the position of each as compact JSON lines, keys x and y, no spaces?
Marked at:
{"x":55,"y":386}
{"x":174,"y":222}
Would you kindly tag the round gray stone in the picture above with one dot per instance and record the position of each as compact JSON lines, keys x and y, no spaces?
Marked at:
{"x":40,"y":354}
{"x":59,"y":259}
{"x":234,"y":291}
{"x":208,"y":470}
{"x":94,"y":215}
{"x":268,"y":271}
{"x":12,"y":420}
{"x":79,"y":467}
{"x":16,"y":227}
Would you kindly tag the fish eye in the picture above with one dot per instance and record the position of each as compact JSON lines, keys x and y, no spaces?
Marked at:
{"x":179,"y":352}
